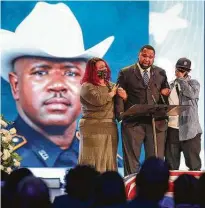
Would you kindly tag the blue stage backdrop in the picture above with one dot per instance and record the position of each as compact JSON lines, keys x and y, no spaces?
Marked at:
{"x":128,"y":22}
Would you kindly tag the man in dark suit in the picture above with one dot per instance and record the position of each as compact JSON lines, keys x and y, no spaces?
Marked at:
{"x":144,"y":84}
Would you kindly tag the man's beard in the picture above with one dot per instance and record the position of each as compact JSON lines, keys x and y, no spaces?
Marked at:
{"x":144,"y":67}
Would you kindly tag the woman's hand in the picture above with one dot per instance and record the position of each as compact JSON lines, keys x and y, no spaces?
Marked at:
{"x":113,"y":91}
{"x":122,"y":93}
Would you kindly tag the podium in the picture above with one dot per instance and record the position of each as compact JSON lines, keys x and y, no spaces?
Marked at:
{"x":156,"y":110}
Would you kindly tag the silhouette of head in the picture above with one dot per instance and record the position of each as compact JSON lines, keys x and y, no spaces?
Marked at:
{"x":154,"y":175}
{"x":185,"y":187}
{"x":32,"y":192}
{"x":110,"y":189}
{"x":80,"y":182}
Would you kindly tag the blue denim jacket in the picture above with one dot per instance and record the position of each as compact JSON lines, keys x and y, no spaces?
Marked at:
{"x":189,"y":125}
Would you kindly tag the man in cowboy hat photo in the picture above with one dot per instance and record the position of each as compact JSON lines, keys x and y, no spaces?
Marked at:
{"x":44,"y":63}
{"x":184,"y":131}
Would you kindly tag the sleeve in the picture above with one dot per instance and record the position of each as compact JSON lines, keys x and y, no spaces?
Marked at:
{"x":94,"y":96}
{"x":119,"y":103}
{"x":165,"y":83}
{"x":190,"y":88}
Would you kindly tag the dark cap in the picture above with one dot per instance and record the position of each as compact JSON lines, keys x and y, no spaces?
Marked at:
{"x":184,"y":63}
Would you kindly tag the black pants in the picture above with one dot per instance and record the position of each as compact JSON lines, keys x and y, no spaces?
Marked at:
{"x":191,"y":149}
{"x":133,"y":136}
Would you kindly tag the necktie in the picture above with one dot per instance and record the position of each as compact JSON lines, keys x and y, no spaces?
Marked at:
{"x":146,"y":77}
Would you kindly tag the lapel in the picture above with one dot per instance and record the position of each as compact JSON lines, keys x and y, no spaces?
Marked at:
{"x":137,"y":73}
{"x":152,"y":75}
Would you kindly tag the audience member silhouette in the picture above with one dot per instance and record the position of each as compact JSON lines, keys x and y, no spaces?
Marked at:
{"x":110,"y":190}
{"x":79,"y":186}
{"x":10,"y":188}
{"x":201,"y":190}
{"x":32,"y":192}
{"x":151,"y":183}
{"x":185,"y":191}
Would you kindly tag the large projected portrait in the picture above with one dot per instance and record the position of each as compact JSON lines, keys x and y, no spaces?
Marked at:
{"x":44,"y":50}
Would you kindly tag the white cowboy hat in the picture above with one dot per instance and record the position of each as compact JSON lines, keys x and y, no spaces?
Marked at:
{"x":50,"y":30}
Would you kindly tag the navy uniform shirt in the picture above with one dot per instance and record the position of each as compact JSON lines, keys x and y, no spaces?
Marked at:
{"x":38,"y":151}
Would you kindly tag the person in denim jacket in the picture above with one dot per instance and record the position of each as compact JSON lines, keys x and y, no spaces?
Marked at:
{"x":184,"y":131}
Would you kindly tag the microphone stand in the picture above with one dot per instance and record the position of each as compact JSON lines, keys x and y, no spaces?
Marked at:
{"x":154,"y":127}
{"x":153,"y":121}
{"x":155,"y":136}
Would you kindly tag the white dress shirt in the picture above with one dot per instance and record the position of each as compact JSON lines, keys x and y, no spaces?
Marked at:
{"x":174,"y":100}
{"x":142,"y":70}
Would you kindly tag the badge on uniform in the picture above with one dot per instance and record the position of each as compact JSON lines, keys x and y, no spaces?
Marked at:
{"x":9,"y":134}
{"x":19,"y":141}
{"x":43,"y":154}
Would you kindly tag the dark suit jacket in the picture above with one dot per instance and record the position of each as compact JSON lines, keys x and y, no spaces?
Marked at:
{"x":132,"y":81}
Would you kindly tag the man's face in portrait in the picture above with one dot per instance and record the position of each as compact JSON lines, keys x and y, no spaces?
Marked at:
{"x":146,"y":58}
{"x":47,"y":90}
